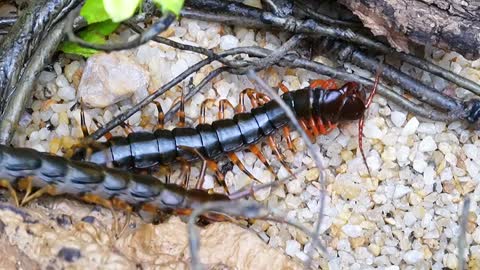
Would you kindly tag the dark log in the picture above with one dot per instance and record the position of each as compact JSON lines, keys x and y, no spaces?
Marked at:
{"x":447,"y":24}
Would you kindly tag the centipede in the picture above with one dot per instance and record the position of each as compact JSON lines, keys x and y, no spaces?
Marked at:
{"x":39,"y":173}
{"x":319,"y":108}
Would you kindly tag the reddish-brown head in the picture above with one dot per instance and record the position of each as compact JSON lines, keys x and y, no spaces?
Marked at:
{"x":354,"y":102}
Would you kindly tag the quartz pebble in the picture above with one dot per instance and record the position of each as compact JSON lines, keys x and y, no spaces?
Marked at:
{"x":110,"y":78}
{"x":410,"y":127}
{"x":398,"y":118}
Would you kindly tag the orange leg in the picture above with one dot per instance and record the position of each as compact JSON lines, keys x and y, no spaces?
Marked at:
{"x":281,"y":158}
{"x":221,"y":106}
{"x":6,"y":184}
{"x":127,"y":128}
{"x":256,"y":150}
{"x":286,"y":133}
{"x":283,"y":88}
{"x":329,"y":84}
{"x":304,"y":125}
{"x":203,"y":111}
{"x":234,"y":158}
{"x":181,"y":112}
{"x":160,"y":116}
{"x":185,"y":174}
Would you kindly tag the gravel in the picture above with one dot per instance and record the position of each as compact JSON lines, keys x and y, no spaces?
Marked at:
{"x":405,"y":217}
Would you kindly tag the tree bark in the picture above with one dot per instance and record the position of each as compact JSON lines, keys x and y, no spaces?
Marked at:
{"x":447,"y":24}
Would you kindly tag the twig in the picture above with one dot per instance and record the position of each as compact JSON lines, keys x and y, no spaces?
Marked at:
{"x":16,"y":104}
{"x":23,"y":38}
{"x":348,"y":53}
{"x":245,"y":209}
{"x":161,"y":25}
{"x":324,"y":18}
{"x":462,"y":233}
{"x":238,"y":14}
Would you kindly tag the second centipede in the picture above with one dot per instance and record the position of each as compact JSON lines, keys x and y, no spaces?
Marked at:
{"x":318,"y":107}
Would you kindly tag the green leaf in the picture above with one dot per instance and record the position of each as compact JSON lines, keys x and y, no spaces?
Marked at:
{"x":93,"y":12}
{"x":94,"y":33}
{"x":174,"y":6}
{"x":120,"y":10}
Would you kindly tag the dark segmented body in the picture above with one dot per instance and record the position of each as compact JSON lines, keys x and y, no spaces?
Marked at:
{"x":145,"y":149}
{"x":81,"y":178}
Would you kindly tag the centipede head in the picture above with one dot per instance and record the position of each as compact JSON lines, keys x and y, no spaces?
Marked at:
{"x":354,"y":102}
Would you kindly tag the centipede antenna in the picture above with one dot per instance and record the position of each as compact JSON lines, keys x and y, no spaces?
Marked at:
{"x":361,"y":122}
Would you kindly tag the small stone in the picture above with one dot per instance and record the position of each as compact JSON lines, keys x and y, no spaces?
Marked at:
{"x":295,"y":186}
{"x":400,"y":191}
{"x":402,"y":153}
{"x":371,"y":130}
{"x":428,"y":175}
{"x":412,"y":256}
{"x":374,"y":249}
{"x":292,"y":247}
{"x":472,"y":151}
{"x":110,"y":78}
{"x":398,"y":118}
{"x":71,"y":69}
{"x":66,"y":93}
{"x":450,"y":261}
{"x":409,"y":219}
{"x":228,"y":42}
{"x":427,"y":145}
{"x":352,"y":230}
{"x":473,"y":169}
{"x":410,"y":127}
{"x":419,"y":165}
{"x":312,"y":174}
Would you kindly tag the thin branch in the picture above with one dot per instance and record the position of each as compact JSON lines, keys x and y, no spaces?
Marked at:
{"x":239,"y":14}
{"x":348,"y":53}
{"x":301,"y":5}
{"x":21,"y":95}
{"x":158,"y":27}
{"x":462,"y":233}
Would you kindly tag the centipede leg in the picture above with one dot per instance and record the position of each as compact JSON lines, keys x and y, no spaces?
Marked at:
{"x":325,"y":84}
{"x":203,"y":111}
{"x":221,"y":106}
{"x":119,"y":204}
{"x":26,"y":184}
{"x":271,"y":142}
{"x":90,"y":198}
{"x":6,"y":184}
{"x":107,"y":135}
{"x":83,"y":124}
{"x":185,"y":174}
{"x":256,"y":150}
{"x":127,"y":128}
{"x":181,"y":112}
{"x":288,"y":138}
{"x":160,"y":116}
{"x":234,"y":158}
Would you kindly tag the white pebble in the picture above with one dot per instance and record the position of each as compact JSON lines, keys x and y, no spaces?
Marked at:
{"x":66,"y":93}
{"x":292,"y":247}
{"x":419,"y":165}
{"x":409,"y":219}
{"x":352,"y":230}
{"x":71,"y":69}
{"x":400,"y":191}
{"x":295,"y":186}
{"x":410,"y":127}
{"x":371,"y":130}
{"x":412,"y":256}
{"x":473,"y":169}
{"x":228,"y":42}
{"x":402,"y":153}
{"x":427,"y":145}
{"x":428,"y":175}
{"x":398,"y":118}
{"x":472,"y":151}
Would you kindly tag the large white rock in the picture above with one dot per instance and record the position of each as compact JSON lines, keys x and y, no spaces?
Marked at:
{"x":110,"y":78}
